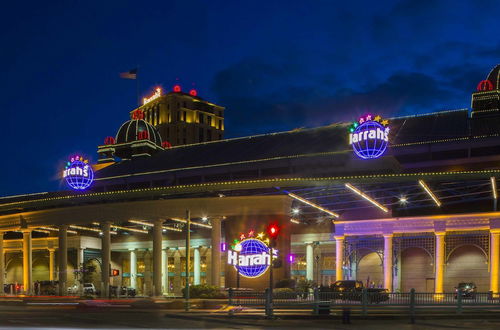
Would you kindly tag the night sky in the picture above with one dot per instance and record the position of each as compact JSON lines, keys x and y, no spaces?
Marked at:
{"x":275,"y":65}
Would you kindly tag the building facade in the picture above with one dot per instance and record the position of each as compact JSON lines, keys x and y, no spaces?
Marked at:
{"x":400,"y":203}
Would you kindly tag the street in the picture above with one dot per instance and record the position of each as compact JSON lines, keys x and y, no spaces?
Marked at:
{"x":74,"y":316}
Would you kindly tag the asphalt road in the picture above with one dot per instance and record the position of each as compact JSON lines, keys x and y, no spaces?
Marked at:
{"x":68,"y":316}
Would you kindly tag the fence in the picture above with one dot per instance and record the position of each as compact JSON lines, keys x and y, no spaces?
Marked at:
{"x":322,"y":302}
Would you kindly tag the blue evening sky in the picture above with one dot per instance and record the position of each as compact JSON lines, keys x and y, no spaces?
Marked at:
{"x":275,"y":65}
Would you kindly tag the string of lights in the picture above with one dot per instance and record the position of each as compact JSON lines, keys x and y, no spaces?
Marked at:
{"x":429,"y":192}
{"x":316,"y":206}
{"x":368,"y":198}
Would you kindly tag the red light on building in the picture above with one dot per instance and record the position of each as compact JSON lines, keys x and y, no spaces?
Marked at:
{"x":138,"y":114}
{"x":115,"y":272}
{"x":166,"y":145}
{"x":484,"y":85}
{"x":177,"y":88}
{"x":109,"y":140}
{"x":273,"y":230}
{"x":143,"y":135}
{"x":193,"y":92}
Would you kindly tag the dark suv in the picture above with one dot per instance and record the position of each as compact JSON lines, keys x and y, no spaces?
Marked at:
{"x":468,"y":290}
{"x":352,"y":290}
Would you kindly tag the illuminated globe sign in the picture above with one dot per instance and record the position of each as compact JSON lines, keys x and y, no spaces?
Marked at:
{"x":369,"y":137}
{"x":250,"y":256}
{"x":78,"y":173}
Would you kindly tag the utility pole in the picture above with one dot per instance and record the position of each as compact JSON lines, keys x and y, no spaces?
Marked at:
{"x":188,"y":255}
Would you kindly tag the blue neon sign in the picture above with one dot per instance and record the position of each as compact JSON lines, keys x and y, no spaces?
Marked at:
{"x":78,"y":173}
{"x":369,"y":137}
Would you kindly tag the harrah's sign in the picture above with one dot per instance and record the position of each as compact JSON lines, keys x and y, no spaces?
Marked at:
{"x":261,"y":259}
{"x":77,"y":171}
{"x":369,"y":134}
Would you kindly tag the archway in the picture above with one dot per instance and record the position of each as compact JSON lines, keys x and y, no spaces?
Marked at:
{"x":14,"y":270}
{"x":467,"y":263}
{"x":40,"y":268}
{"x":417,"y":270}
{"x":370,"y":271}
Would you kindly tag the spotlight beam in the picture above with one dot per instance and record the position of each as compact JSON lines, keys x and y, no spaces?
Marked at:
{"x":494,"y":187}
{"x":429,"y":192}
{"x":365,"y":196}
{"x":316,"y":206}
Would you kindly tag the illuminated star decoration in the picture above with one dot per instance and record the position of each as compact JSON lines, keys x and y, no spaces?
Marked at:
{"x":378,"y":118}
{"x":260,"y":236}
{"x":242,"y":236}
{"x":385,"y":122}
{"x":250,"y":233}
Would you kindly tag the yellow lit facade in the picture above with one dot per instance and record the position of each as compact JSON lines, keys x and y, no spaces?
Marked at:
{"x":182,"y":118}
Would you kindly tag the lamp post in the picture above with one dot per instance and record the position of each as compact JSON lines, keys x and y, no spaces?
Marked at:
{"x":188,"y":255}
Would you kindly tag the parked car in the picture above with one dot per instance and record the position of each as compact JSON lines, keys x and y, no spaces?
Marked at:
{"x":48,"y":288}
{"x":89,"y":289}
{"x":74,"y":289}
{"x":353,"y":290}
{"x":127,"y":291}
{"x":467,"y":289}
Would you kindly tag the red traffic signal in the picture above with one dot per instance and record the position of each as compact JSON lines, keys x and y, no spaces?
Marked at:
{"x":115,"y":272}
{"x":273,"y":230}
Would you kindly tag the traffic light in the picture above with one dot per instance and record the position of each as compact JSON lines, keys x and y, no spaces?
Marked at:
{"x":115,"y":272}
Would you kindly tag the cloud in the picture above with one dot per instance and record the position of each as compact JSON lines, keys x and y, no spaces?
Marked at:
{"x":261,"y":97}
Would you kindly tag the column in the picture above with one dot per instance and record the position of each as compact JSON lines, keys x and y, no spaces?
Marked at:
{"x":106,"y":257}
{"x":216,"y":245}
{"x":51,"y":264}
{"x":133,"y":269}
{"x":439,"y":262}
{"x":309,"y":261}
{"x":157,"y":264}
{"x":339,"y":257}
{"x":197,"y":266}
{"x":63,"y":259}
{"x":79,"y":257}
{"x":2,"y":265}
{"x":27,"y":262}
{"x":388,"y":258}
{"x":164,"y":268}
{"x":494,"y":259}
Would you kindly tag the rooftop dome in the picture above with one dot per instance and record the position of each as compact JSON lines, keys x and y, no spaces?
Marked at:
{"x":137,"y":129}
{"x":494,"y":77}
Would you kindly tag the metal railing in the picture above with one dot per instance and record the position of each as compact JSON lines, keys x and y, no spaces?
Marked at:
{"x":319,"y":302}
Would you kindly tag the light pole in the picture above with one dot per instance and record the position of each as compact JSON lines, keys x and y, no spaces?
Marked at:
{"x":188,"y":255}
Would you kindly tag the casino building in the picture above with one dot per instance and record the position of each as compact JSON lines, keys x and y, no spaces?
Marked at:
{"x":400,"y":203}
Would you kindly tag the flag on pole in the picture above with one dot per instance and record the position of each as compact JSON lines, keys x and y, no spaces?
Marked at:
{"x":132,"y":74}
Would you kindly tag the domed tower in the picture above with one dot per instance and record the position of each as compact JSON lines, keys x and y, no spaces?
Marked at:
{"x":135,"y":138}
{"x":486,"y":104}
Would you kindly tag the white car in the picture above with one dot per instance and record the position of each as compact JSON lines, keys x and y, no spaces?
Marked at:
{"x":89,"y":288}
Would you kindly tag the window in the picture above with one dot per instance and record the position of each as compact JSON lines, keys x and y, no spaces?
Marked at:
{"x":209,"y":121}
{"x":200,"y":118}
{"x":184,"y":115}
{"x":184,"y":104}
{"x":201,"y":135}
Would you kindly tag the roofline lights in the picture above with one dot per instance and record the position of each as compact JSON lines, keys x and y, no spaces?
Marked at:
{"x":494,"y":187}
{"x":96,"y":230}
{"x":148,"y":224}
{"x":316,"y":206}
{"x":429,"y":192}
{"x":135,"y":230}
{"x":69,"y":231}
{"x":368,"y":198}
{"x":191,"y":222}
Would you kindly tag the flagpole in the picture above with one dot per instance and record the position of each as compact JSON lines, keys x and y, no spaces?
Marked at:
{"x":137,"y":86}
